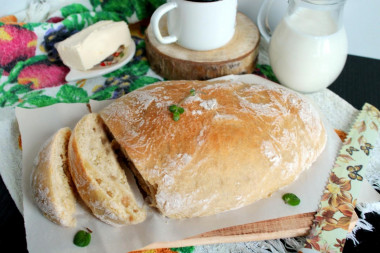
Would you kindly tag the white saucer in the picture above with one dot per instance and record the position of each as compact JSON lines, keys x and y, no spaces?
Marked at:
{"x":75,"y":74}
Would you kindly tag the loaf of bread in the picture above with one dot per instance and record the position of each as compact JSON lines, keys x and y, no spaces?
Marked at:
{"x":98,"y":176}
{"x":235,"y":143}
{"x":52,"y":187}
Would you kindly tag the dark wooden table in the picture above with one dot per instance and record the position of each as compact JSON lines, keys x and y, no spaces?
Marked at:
{"x":358,"y":83}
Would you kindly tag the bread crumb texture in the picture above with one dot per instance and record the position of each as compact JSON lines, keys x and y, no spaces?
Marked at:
{"x":51,"y":180}
{"x":234,"y":144}
{"x":99,"y":178}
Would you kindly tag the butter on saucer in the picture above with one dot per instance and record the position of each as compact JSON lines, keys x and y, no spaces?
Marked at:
{"x":87,"y":48}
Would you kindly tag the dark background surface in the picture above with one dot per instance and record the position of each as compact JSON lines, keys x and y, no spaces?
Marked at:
{"x":358,"y":83}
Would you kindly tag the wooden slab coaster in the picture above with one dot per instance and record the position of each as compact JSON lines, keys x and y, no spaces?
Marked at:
{"x":174,"y":62}
{"x":285,"y":227}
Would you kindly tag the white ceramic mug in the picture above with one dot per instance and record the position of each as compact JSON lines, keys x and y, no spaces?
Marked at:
{"x":197,"y":25}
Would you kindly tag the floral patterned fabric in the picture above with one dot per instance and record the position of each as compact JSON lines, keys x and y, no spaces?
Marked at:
{"x":340,"y":195}
{"x":32,"y":75}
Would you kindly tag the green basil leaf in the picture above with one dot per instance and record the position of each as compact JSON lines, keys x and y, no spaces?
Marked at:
{"x":176,"y":116}
{"x":291,"y":199}
{"x":82,"y":238}
{"x":181,"y":110}
{"x":173,"y":108}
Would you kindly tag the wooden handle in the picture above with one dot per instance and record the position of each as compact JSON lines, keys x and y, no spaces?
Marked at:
{"x":285,"y":227}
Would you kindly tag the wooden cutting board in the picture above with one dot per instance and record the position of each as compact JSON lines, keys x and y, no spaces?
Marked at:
{"x":285,"y":227}
{"x":174,"y":62}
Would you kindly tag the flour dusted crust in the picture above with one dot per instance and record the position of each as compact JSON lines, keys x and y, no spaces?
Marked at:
{"x":51,"y":181}
{"x":98,"y":176}
{"x":235,"y":143}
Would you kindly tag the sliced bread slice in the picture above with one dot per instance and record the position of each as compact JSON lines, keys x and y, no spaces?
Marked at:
{"x":98,"y":175}
{"x":52,"y":185}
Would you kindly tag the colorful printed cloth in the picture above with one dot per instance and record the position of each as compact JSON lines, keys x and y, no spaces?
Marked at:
{"x":32,"y":74}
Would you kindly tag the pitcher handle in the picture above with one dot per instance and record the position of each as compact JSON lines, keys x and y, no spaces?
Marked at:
{"x":262,"y":20}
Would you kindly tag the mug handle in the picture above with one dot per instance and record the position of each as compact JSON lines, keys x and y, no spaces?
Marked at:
{"x":157,"y":15}
{"x":262,"y":19}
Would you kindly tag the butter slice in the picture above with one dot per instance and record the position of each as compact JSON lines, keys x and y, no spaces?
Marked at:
{"x":92,"y":45}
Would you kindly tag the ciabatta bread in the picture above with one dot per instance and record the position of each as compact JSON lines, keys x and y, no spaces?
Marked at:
{"x":234,"y":144}
{"x":98,"y":176}
{"x":52,"y":186}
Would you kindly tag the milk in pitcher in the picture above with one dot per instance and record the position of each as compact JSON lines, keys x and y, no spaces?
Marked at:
{"x":308,"y":50}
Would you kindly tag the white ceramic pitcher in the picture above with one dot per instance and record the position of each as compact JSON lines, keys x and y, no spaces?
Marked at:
{"x":308,"y":48}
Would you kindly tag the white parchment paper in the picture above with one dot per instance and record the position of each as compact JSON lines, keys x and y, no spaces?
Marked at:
{"x":37,"y":125}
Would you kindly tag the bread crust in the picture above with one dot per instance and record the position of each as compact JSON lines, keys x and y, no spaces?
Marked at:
{"x":114,"y":204}
{"x":235,"y":143}
{"x":52,"y":185}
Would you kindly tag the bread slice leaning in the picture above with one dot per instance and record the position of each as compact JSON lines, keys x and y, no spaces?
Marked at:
{"x":51,"y":181}
{"x":98,"y":175}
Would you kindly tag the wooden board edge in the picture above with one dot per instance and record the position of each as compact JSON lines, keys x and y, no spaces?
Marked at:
{"x":295,"y":225}
{"x":226,"y":239}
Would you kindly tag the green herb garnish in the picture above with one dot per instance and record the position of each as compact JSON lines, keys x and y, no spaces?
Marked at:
{"x":291,"y":199}
{"x":82,"y":238}
{"x":177,"y":111}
